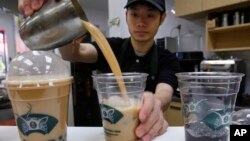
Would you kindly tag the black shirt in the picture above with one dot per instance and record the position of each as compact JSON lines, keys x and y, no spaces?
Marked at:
{"x":165,"y":65}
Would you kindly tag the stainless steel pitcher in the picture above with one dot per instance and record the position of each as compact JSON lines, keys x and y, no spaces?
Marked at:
{"x":57,"y":23}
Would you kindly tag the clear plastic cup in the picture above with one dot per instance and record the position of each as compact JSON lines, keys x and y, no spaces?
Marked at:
{"x":38,"y":84}
{"x":120,"y":110}
{"x":208,"y":100}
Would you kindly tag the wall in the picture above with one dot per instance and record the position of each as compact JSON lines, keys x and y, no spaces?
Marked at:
{"x":8,"y":25}
{"x":10,"y":4}
{"x":116,"y":10}
{"x":98,"y":17}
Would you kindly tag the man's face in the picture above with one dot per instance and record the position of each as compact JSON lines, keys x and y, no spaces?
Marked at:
{"x":143,"y":21}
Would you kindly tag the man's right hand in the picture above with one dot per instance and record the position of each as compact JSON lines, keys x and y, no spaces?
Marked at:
{"x":28,"y":7}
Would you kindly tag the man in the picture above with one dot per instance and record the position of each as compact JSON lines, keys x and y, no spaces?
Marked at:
{"x":138,"y":53}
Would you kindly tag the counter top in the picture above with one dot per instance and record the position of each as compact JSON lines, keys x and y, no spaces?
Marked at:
{"x":10,"y":133}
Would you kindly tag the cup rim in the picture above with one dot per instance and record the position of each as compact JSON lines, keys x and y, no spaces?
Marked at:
{"x":124,"y":75}
{"x":209,"y":75}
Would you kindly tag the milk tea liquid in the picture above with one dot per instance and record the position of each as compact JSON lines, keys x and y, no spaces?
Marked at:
{"x":41,"y":109}
{"x":120,"y":127}
{"x":108,"y":54}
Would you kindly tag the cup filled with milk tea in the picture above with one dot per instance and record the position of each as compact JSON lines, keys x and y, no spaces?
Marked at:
{"x":38,"y":84}
{"x":120,"y":99}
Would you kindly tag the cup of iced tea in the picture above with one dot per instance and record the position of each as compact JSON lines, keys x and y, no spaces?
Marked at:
{"x":38,"y":84}
{"x":120,"y":100}
{"x":208,"y":100}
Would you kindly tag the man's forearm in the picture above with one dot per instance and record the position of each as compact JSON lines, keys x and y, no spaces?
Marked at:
{"x":83,"y":52}
{"x":164,"y":94}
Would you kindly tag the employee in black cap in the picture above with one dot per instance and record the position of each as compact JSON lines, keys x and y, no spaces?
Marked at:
{"x":138,"y":53}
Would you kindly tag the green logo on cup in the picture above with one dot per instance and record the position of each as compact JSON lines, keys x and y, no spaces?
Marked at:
{"x":218,"y":119}
{"x":36,"y":123}
{"x":111,"y":114}
{"x":195,"y":107}
{"x":215,"y":119}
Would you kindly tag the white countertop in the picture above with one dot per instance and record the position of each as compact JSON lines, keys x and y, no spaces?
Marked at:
{"x":10,"y":133}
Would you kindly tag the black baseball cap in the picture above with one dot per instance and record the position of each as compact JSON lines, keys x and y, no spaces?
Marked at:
{"x":159,"y":4}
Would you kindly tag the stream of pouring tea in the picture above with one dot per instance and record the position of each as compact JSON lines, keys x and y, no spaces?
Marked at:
{"x":108,"y":53}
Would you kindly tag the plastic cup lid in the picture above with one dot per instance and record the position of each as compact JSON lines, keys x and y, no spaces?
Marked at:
{"x":37,"y":66}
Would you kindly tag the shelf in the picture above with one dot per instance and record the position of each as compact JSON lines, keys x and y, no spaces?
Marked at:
{"x":230,"y":28}
{"x":185,"y":8}
{"x":194,"y":9}
{"x":230,"y":38}
{"x":229,"y":49}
